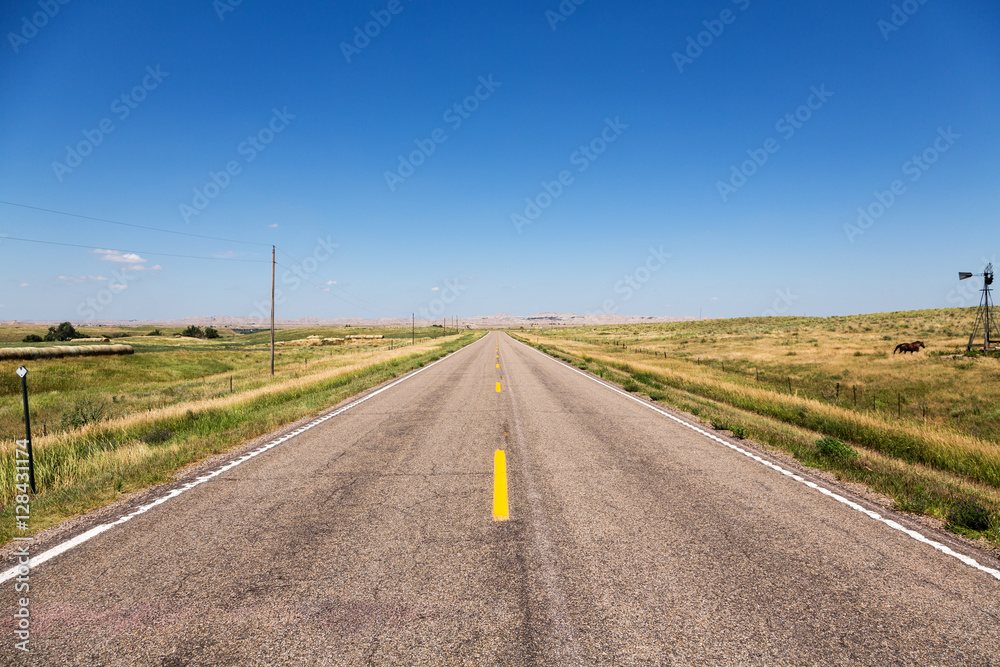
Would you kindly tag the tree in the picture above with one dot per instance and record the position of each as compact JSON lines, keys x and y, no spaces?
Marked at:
{"x":193,"y":332}
{"x":154,"y":332}
{"x":33,"y":338}
{"x":64,"y":331}
{"x":211,"y":332}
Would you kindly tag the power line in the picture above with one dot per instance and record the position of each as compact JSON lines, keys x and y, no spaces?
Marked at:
{"x":144,"y":252}
{"x":129,"y":224}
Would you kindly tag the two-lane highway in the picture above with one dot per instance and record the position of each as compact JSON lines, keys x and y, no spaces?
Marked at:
{"x":631,"y":539}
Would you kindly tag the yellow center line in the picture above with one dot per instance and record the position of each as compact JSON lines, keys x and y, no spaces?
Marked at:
{"x":501,"y":511}
{"x":498,"y":387}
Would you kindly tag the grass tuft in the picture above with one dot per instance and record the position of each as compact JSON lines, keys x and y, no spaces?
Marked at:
{"x":835,"y":449}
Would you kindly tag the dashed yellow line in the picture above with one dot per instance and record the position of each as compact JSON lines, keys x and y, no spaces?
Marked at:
{"x":498,"y":387}
{"x":501,"y":511}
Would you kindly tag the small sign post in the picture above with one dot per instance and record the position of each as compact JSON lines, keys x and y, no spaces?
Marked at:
{"x":23,"y":373}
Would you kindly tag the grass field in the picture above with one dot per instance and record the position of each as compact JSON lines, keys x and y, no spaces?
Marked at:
{"x":117,"y":424}
{"x":922,"y":428}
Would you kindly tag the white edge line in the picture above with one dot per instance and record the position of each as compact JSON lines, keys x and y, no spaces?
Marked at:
{"x":62,"y":548}
{"x":919,"y":537}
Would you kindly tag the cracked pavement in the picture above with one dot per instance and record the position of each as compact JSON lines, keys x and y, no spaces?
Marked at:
{"x":369,"y":540}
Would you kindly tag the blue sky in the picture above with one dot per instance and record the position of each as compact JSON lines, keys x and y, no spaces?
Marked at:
{"x":636,"y":158}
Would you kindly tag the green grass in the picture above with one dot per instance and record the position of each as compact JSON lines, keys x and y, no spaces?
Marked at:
{"x":165,"y":371}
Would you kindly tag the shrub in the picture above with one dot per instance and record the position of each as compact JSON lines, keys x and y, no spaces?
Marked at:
{"x":154,"y":332}
{"x":630,"y":386}
{"x":64,"y":331}
{"x":211,"y":332}
{"x":969,"y":515}
{"x":84,"y":411}
{"x":32,"y":338}
{"x":193,"y":332}
{"x":739,"y":431}
{"x":832,"y":448}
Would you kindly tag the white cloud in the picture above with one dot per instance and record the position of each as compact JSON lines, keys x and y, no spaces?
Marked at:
{"x":331,"y":282}
{"x":435,"y":289}
{"x":23,"y":285}
{"x":119,"y":257}
{"x":715,"y":298}
{"x":273,"y":225}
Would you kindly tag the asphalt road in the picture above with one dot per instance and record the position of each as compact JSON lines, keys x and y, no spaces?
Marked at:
{"x":369,"y":540}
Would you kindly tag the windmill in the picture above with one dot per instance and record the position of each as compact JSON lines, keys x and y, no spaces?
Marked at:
{"x":986,"y":319}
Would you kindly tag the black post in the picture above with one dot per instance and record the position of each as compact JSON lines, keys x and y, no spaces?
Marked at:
{"x":838,"y":391}
{"x":23,"y":372}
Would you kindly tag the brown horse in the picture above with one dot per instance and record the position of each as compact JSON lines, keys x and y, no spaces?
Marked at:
{"x":909,"y":347}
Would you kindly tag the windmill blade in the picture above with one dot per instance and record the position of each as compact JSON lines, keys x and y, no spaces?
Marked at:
{"x":962,"y":275}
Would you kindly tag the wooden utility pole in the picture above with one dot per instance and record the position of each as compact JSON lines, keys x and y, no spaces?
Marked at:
{"x":413,"y":328}
{"x":272,"y":311}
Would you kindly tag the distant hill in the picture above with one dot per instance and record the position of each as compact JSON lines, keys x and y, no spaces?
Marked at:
{"x":500,"y":320}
